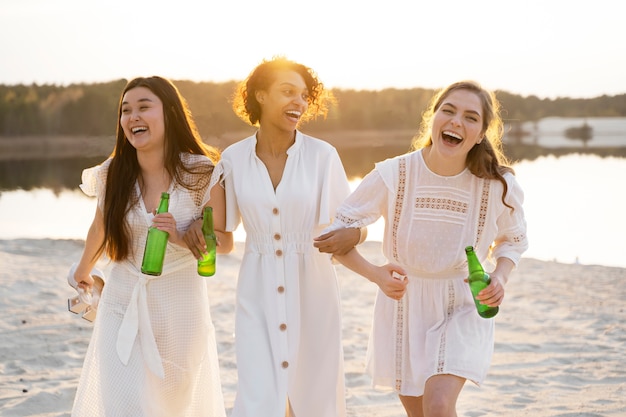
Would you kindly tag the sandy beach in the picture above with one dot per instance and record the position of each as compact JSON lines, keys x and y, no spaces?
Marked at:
{"x":560,"y":338}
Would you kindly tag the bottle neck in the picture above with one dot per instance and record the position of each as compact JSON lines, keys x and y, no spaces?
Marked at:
{"x":473,"y":264}
{"x":164,"y":203}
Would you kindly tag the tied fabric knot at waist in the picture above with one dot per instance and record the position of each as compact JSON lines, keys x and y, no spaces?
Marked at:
{"x":137,"y":320}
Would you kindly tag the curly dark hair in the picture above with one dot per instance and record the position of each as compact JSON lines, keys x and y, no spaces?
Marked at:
{"x":247,"y":107}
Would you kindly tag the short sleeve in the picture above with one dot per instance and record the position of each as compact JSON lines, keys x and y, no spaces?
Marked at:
{"x":335,"y":189}
{"x":365,"y":205}
{"x":223,"y":173}
{"x":94,"y":181}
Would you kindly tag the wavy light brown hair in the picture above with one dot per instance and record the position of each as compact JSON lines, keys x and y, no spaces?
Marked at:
{"x":181,"y":136}
{"x":486,"y":159}
{"x":246,"y":106}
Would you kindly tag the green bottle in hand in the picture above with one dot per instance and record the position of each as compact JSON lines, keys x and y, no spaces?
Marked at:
{"x":156,"y":243}
{"x":206,"y":265}
{"x":478,"y":280}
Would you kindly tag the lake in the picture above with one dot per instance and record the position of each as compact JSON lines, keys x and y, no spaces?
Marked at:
{"x":574,"y":208}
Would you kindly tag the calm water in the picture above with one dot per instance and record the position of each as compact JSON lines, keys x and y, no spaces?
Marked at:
{"x":550,"y":132}
{"x":574,"y":208}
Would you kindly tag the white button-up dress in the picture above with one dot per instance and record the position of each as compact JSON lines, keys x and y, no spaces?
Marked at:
{"x":288,"y":321}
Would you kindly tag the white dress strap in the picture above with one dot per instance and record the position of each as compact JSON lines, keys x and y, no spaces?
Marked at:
{"x":137,"y":316}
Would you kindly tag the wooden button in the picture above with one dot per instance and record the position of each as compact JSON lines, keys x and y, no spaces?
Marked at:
{"x":279,"y":252}
{"x":283,"y":327}
{"x":275,"y":210}
{"x":280,"y":289}
{"x":285,"y":364}
{"x":277,"y":236}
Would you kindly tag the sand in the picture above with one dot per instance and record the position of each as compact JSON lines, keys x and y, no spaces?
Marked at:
{"x":560,"y":338}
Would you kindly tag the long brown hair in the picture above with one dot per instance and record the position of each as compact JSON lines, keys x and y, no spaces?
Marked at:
{"x":246,"y":106}
{"x":181,"y":136}
{"x":486,"y":159}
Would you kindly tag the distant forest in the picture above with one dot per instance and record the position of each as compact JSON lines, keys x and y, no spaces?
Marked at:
{"x":91,"y":109}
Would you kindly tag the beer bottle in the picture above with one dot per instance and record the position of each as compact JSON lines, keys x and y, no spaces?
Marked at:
{"x":156,"y":243}
{"x":478,"y":279}
{"x":206,"y":265}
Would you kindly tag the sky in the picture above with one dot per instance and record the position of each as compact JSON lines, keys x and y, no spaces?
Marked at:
{"x":544,"y":48}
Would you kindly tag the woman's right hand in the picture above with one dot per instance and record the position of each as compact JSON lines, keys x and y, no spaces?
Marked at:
{"x":84,"y":281}
{"x":392,"y":280}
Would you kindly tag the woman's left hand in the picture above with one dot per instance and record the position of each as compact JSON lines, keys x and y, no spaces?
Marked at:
{"x":494,"y":293}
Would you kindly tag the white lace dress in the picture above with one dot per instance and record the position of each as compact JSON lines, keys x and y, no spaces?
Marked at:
{"x":288,"y":321}
{"x":153,"y":350}
{"x":429,"y":220}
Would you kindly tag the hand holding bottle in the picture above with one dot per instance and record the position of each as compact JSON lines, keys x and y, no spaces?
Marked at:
{"x":206,"y":264}
{"x":493,"y":294}
{"x":194,"y":239}
{"x":167,"y":223}
{"x":479,"y":281}
{"x":156,"y":241}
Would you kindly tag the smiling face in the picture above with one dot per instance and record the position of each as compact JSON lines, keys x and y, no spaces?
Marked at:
{"x":142,"y":119}
{"x":284,"y":102}
{"x":457,"y":126}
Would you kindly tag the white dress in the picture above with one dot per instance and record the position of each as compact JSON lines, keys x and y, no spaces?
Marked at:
{"x":429,"y":220}
{"x":288,"y":322}
{"x":153,"y":350}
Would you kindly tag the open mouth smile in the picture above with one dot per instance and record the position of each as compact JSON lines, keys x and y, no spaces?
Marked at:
{"x":451,"y":137}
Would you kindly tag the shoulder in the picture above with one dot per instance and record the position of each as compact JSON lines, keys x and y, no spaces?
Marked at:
{"x":101,"y":169}
{"x":511,"y":180}
{"x":238,"y":147}
{"x":311,"y":142}
{"x":190,"y":159}
{"x":393,"y":162}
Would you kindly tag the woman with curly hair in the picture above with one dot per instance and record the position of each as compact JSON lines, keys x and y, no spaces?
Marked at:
{"x":285,"y":186}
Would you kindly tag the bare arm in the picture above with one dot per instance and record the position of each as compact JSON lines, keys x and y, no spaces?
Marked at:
{"x":385,"y":276}
{"x":340,"y":241}
{"x":91,"y":253}
{"x":218,"y":202}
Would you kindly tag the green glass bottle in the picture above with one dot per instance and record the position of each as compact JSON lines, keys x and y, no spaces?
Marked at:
{"x":156,"y":243}
{"x":206,"y":265}
{"x":478,"y":280}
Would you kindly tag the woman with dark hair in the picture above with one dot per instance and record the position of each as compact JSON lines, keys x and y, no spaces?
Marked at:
{"x":153,"y":350}
{"x":454,"y":190}
{"x":285,"y":187}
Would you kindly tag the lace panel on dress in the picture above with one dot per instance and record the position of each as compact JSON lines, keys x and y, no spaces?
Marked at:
{"x":441,"y":360}
{"x":482,"y":214}
{"x":348,"y":221}
{"x":519,"y":238}
{"x":441,"y":204}
{"x":400,"y":303}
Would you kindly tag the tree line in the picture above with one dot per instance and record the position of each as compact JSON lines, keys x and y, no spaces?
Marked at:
{"x":91,"y":109}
